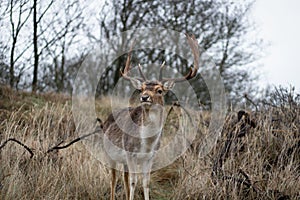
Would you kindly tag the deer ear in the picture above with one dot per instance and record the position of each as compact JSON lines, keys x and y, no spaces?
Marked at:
{"x":136,"y":83}
{"x":168,"y":85}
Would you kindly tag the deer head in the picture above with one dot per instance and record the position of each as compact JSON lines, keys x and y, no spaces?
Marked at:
{"x":152,"y":92}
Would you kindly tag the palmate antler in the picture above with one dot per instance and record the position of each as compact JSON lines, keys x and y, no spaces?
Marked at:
{"x":191,"y":74}
{"x":193,"y":43}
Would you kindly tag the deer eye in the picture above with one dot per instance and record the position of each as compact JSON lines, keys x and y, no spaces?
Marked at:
{"x":159,"y":91}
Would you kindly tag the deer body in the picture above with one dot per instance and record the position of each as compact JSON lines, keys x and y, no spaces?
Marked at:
{"x":132,"y":135}
{"x":144,"y":133}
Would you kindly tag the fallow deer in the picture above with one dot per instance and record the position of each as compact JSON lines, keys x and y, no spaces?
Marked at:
{"x":132,"y":135}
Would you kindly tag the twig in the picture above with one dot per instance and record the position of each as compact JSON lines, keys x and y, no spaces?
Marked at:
{"x":252,"y":102}
{"x":18,"y":142}
{"x":57,"y":147}
{"x":170,"y":110}
{"x":100,"y":122}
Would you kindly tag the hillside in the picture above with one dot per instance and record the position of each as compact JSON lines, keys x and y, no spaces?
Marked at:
{"x":256,"y":157}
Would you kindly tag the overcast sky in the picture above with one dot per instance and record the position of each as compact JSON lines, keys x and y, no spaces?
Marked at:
{"x":279,"y":23}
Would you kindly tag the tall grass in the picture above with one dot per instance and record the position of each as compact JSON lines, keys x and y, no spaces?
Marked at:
{"x":262,"y":164}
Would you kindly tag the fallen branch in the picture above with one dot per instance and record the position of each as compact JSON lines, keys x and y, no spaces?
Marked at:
{"x":18,"y":142}
{"x":57,"y":147}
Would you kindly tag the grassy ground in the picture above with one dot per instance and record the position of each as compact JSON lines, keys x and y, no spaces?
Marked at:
{"x":261,"y":162}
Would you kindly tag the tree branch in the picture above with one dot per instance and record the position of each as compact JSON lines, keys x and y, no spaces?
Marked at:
{"x":57,"y":147}
{"x":18,"y":142}
{"x":42,"y":15}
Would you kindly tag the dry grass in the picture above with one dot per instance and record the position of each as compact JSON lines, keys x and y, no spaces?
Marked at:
{"x":263,"y":164}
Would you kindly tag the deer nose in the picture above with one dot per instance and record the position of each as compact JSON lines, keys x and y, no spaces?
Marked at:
{"x":145,"y":98}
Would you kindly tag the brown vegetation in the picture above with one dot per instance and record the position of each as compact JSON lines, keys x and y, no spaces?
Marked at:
{"x":248,"y":162}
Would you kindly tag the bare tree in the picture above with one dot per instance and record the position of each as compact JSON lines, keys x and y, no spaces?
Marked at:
{"x":65,"y":27}
{"x":36,"y":21}
{"x":118,"y":16}
{"x":4,"y":67}
{"x":19,"y":13}
{"x":220,"y":27}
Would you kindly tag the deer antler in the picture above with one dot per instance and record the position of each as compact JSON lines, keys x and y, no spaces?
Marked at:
{"x":127,"y":68}
{"x":160,"y":71}
{"x":141,"y":73}
{"x":193,"y":43}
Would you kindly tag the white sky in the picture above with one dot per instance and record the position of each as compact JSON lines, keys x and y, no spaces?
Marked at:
{"x":279,"y":23}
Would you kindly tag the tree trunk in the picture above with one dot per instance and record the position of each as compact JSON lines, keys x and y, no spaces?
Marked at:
{"x":35,"y":47}
{"x":12,"y":65}
{"x":62,"y":71}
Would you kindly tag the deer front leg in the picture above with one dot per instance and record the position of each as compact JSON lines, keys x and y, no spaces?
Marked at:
{"x":146,"y":178}
{"x":146,"y":181}
{"x":126,"y":182}
{"x":132,"y":181}
{"x":112,"y":184}
{"x":132,"y":164}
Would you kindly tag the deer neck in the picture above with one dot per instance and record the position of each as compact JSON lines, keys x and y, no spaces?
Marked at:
{"x":152,"y":115}
{"x":151,"y":128}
